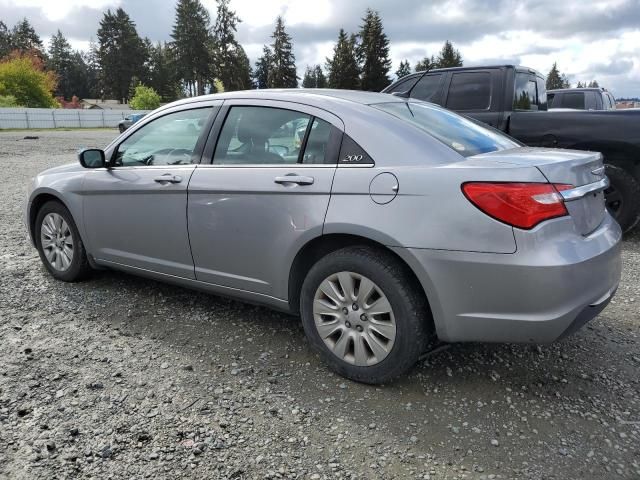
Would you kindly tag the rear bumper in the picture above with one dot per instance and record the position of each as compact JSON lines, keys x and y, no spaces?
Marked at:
{"x":555,"y":283}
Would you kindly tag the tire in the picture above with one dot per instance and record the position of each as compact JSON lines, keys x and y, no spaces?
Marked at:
{"x":121,"y":128}
{"x":623,"y":197}
{"x":72,"y":252}
{"x":391,"y":280}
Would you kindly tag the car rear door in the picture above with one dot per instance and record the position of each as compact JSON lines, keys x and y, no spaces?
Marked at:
{"x":135,"y":211}
{"x":263,"y":194}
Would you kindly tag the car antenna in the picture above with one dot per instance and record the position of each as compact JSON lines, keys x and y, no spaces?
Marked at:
{"x":407,"y":94}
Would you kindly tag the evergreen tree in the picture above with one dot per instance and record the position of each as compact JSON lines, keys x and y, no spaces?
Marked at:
{"x":579,"y":85}
{"x":94,"y":81}
{"x":404,"y":69}
{"x":342,"y":68}
{"x":554,"y":80}
{"x":594,"y":84}
{"x":282,"y":70}
{"x":448,"y":56}
{"x":426,"y":64}
{"x":60,"y":61}
{"x":321,"y":79}
{"x":121,"y":53}
{"x":230,"y":59}
{"x":5,"y":40}
{"x":78,"y":77}
{"x":565,"y":81}
{"x":162,"y":74}
{"x":373,"y":53}
{"x":25,"y":38}
{"x":314,"y":77}
{"x":261,"y":72}
{"x":192,"y":45}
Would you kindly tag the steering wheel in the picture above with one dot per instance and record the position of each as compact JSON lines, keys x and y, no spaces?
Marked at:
{"x":181,"y":152}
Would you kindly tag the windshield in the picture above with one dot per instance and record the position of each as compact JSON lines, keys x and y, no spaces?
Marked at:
{"x":461,"y":134}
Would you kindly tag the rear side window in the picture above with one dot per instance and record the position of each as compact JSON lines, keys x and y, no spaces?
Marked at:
{"x":550,"y":97}
{"x":526,"y":92}
{"x":403,"y":85}
{"x":573,"y":100}
{"x":427,"y":88}
{"x":470,"y":91}
{"x":462,"y":135}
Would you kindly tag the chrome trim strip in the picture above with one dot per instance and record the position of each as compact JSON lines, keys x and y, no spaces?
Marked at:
{"x":580,"y":192}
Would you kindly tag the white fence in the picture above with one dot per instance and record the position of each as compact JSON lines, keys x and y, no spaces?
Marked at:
{"x":58,"y":117}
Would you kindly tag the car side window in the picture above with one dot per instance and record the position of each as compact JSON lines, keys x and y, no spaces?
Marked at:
{"x":261,"y":135}
{"x":526,"y":92}
{"x":318,"y":147}
{"x":427,"y":87}
{"x":469,"y":91}
{"x":168,"y":140}
{"x":573,"y":100}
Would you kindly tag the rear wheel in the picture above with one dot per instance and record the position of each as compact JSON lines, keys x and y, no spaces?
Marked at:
{"x":623,"y":197}
{"x":59,"y":244}
{"x":364,"y":313}
{"x":121,"y":128}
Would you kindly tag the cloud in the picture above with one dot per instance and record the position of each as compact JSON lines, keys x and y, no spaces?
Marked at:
{"x":531,"y":32}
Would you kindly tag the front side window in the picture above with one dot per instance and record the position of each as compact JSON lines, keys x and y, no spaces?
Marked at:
{"x":470,"y":91}
{"x":272,"y":136}
{"x":573,"y":100}
{"x":427,"y":87}
{"x":168,"y":140}
{"x":462,"y":135}
{"x":526,"y":92}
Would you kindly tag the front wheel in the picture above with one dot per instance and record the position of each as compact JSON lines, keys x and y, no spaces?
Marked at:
{"x":365,"y":314}
{"x":623,"y":197}
{"x":59,"y":244}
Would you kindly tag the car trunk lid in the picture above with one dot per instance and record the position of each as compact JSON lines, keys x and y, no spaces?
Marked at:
{"x":583,"y":170}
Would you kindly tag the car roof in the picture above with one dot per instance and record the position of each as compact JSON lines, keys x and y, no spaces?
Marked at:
{"x":585,"y":89}
{"x":311,"y":96}
{"x":519,"y":68}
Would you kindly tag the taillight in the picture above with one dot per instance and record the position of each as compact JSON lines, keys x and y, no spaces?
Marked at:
{"x":522,"y":205}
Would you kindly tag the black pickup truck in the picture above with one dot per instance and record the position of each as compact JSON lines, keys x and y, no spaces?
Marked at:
{"x":514,"y":99}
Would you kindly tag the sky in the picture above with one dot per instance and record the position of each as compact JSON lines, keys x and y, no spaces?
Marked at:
{"x":589,"y":39}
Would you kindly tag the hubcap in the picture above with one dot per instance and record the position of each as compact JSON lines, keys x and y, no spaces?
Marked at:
{"x":57,"y":241}
{"x":354,"y":318}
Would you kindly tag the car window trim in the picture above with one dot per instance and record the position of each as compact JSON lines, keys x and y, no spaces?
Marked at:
{"x":197,"y":149}
{"x":303,"y":145}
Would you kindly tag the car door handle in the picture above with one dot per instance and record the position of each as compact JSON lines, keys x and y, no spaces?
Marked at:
{"x":297,"y":179}
{"x":168,"y":178}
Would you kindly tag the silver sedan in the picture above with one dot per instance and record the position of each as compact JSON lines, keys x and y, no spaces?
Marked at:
{"x":387,"y":224}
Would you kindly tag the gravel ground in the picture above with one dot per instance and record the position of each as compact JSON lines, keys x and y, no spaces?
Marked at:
{"x":121,"y":377}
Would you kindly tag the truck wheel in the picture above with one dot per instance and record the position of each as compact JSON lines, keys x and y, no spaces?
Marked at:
{"x":623,"y":197}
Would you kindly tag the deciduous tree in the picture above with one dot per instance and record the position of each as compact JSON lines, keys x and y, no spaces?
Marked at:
{"x":145,"y":98}
{"x":22,"y":76}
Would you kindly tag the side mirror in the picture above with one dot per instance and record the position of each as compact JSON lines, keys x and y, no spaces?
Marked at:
{"x":92,"y":158}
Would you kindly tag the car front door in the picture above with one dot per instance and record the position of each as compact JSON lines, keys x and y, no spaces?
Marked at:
{"x":135,"y":211}
{"x":264,"y":194}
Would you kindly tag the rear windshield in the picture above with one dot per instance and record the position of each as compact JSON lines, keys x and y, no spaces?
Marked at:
{"x":461,"y":134}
